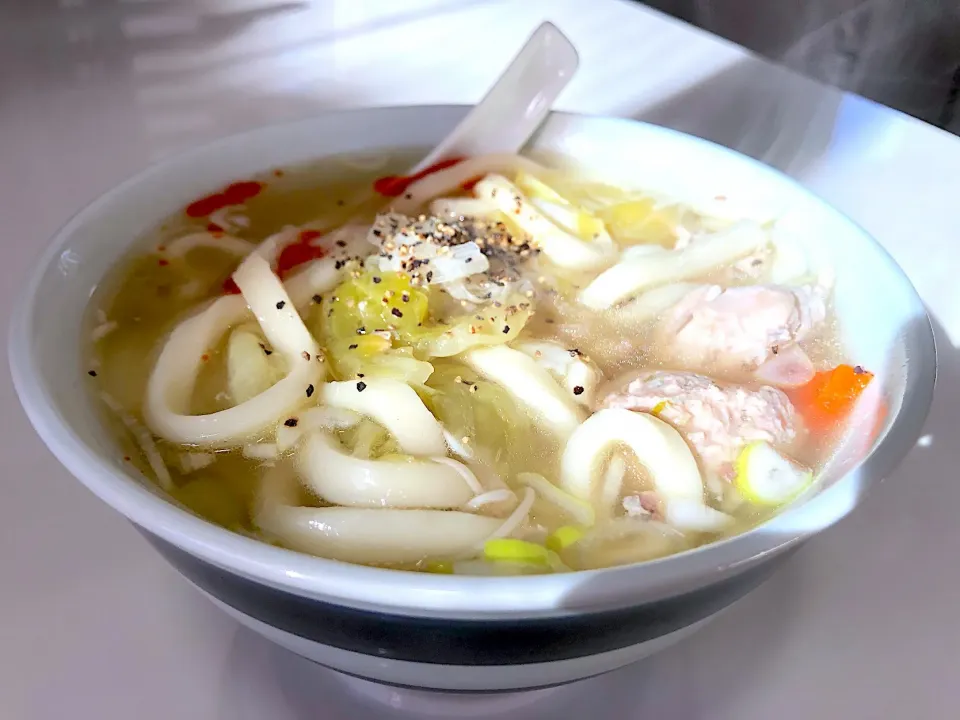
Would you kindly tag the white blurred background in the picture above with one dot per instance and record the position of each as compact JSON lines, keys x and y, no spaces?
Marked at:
{"x":902,"y":53}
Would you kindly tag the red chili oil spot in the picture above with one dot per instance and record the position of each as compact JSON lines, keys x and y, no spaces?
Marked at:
{"x":205,"y":206}
{"x":469,"y":185}
{"x":306,"y":236}
{"x":278,"y":172}
{"x":239,"y":192}
{"x":396,"y":185}
{"x":204,"y":357}
{"x":126,"y":458}
{"x":163,"y":263}
{"x":234,"y":194}
{"x":299,"y":253}
{"x":214,"y":228}
{"x":290,"y":258}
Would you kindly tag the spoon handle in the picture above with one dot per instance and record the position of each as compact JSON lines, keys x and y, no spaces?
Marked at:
{"x":518,"y":102}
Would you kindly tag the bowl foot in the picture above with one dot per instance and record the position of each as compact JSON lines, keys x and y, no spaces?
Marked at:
{"x":439,"y":703}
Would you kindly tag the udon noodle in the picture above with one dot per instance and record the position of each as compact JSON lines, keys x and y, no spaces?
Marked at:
{"x":495,"y":367}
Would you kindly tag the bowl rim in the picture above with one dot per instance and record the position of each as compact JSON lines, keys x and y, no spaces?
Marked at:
{"x":408,"y":592}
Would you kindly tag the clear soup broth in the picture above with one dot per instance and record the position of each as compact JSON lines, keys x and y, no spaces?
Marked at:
{"x":498,"y":367}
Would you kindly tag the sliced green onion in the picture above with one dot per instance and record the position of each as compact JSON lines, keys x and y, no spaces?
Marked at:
{"x":765,"y":477}
{"x":439,"y":567}
{"x":563,"y":537}
{"x":512,"y":550}
{"x":556,"y":564}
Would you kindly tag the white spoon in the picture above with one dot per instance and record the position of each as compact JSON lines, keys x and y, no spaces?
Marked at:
{"x":518,"y":102}
{"x":506,"y":117}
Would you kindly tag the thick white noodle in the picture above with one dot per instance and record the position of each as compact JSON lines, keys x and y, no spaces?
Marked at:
{"x":316,"y":278}
{"x":653,"y":303}
{"x":657,"y":445}
{"x":790,"y":263}
{"x":347,"y":241}
{"x":456,"y":446}
{"x":270,"y":304}
{"x":342,"y":479}
{"x":316,"y":418}
{"x":449,"y":180}
{"x":612,"y":483}
{"x":393,"y":404}
{"x":453,"y":208}
{"x":226,"y":243}
{"x":636,"y":273}
{"x":695,"y":516}
{"x":377,"y":536}
{"x":368,"y":435}
{"x":559,"y":246}
{"x":250,"y":370}
{"x":171,"y":384}
{"x":270,"y":248}
{"x":530,"y":384}
{"x":579,"y":376}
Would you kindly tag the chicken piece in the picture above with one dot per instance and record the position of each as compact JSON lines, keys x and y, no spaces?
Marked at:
{"x":717,"y":421}
{"x":741,"y":327}
{"x":643,"y":505}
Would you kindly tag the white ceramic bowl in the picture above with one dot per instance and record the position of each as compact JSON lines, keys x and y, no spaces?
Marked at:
{"x":447,"y":632}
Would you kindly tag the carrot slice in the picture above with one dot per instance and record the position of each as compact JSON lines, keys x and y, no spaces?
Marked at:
{"x":829,"y":397}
